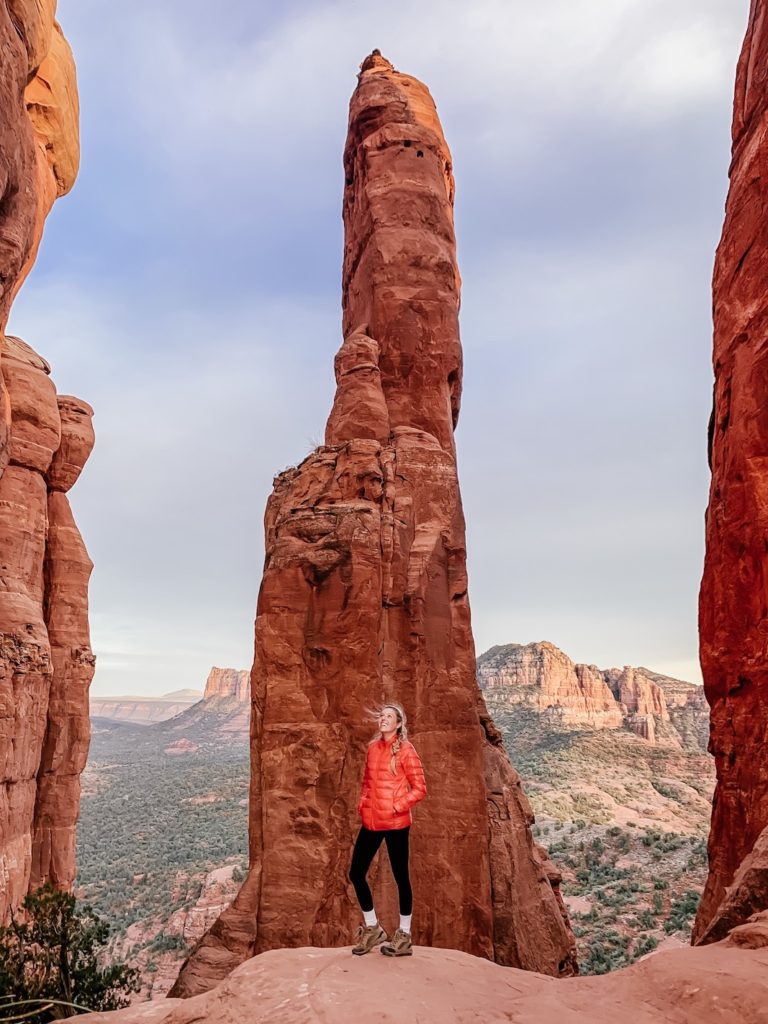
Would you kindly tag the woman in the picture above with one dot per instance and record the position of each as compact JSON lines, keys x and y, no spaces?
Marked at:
{"x":393,"y":782}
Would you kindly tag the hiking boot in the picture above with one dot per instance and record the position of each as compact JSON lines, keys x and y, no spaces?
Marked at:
{"x":368,"y":936}
{"x":398,"y":945}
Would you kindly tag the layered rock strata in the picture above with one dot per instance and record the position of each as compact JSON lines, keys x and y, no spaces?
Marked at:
{"x":228,"y":682}
{"x":45,"y":658}
{"x":733,"y":605}
{"x":573,"y":695}
{"x":138,"y":711}
{"x":364,"y":599}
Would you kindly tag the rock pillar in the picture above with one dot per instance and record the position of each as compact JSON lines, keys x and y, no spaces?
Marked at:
{"x":364,"y":599}
{"x":733,"y":605}
{"x":45,"y":658}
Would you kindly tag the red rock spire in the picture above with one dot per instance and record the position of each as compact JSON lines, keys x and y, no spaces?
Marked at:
{"x":364,"y":600}
{"x":46,"y":663}
{"x":733,"y":606}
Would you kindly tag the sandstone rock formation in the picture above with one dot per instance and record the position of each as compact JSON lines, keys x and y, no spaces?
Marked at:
{"x":45,"y":659}
{"x":727,"y":981}
{"x":541,"y":676}
{"x":67,"y":570}
{"x":733,"y":607}
{"x":746,"y":895}
{"x":364,"y":599}
{"x":228,"y":682}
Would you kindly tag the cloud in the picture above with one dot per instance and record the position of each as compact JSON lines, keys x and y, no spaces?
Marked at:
{"x":194,"y":416}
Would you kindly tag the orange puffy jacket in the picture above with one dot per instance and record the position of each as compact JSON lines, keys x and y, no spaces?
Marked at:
{"x":387,"y":799}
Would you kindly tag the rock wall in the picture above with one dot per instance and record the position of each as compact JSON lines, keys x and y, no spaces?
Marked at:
{"x":364,"y":599}
{"x":45,"y":659}
{"x":541,"y":676}
{"x":733,"y":605}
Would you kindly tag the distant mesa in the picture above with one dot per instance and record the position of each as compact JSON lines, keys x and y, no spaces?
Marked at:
{"x":139,"y":710}
{"x":223,"y":685}
{"x":188,"y":695}
{"x":224,"y":713}
{"x":655,"y":707}
{"x":228,"y":682}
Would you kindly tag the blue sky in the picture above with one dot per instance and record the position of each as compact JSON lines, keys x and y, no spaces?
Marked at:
{"x":188,"y":288}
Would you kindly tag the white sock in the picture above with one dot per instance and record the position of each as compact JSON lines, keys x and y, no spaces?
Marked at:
{"x":369,"y":916}
{"x":405,"y":923}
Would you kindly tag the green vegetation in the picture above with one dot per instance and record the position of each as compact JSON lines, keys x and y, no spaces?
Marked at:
{"x":152,"y":825}
{"x":157,"y":823}
{"x":631,"y":911}
{"x":163,"y":942}
{"x":682,"y":912}
{"x":51,"y":962}
{"x":607,"y":954}
{"x":632,"y":882}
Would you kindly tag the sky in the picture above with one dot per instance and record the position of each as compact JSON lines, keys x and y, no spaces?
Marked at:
{"x":189,"y":289}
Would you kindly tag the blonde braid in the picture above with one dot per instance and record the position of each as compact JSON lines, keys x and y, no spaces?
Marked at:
{"x":395,"y":747}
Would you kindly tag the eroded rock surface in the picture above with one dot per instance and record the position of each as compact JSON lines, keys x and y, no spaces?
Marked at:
{"x":708,"y":985}
{"x":364,"y":599}
{"x":45,"y":658}
{"x":745,"y":896}
{"x":733,"y":607}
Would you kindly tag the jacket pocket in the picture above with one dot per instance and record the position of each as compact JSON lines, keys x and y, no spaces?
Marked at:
{"x":400,"y":794}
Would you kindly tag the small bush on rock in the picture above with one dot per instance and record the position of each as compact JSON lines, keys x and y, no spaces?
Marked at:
{"x":52,"y":962}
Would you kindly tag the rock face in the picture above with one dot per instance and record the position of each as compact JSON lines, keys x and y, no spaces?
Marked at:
{"x":724,"y":982}
{"x":228,"y":682}
{"x":541,"y":676}
{"x":733,"y":606}
{"x":364,"y":599}
{"x":45,"y":659}
{"x":745,"y":896}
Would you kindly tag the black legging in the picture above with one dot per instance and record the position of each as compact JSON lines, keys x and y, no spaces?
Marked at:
{"x":366,"y":845}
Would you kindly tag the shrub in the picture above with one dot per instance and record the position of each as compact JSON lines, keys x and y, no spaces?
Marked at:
{"x":644,"y":944}
{"x":54,"y":956}
{"x":646,"y":918}
{"x":681,"y":911}
{"x":166,"y":941}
